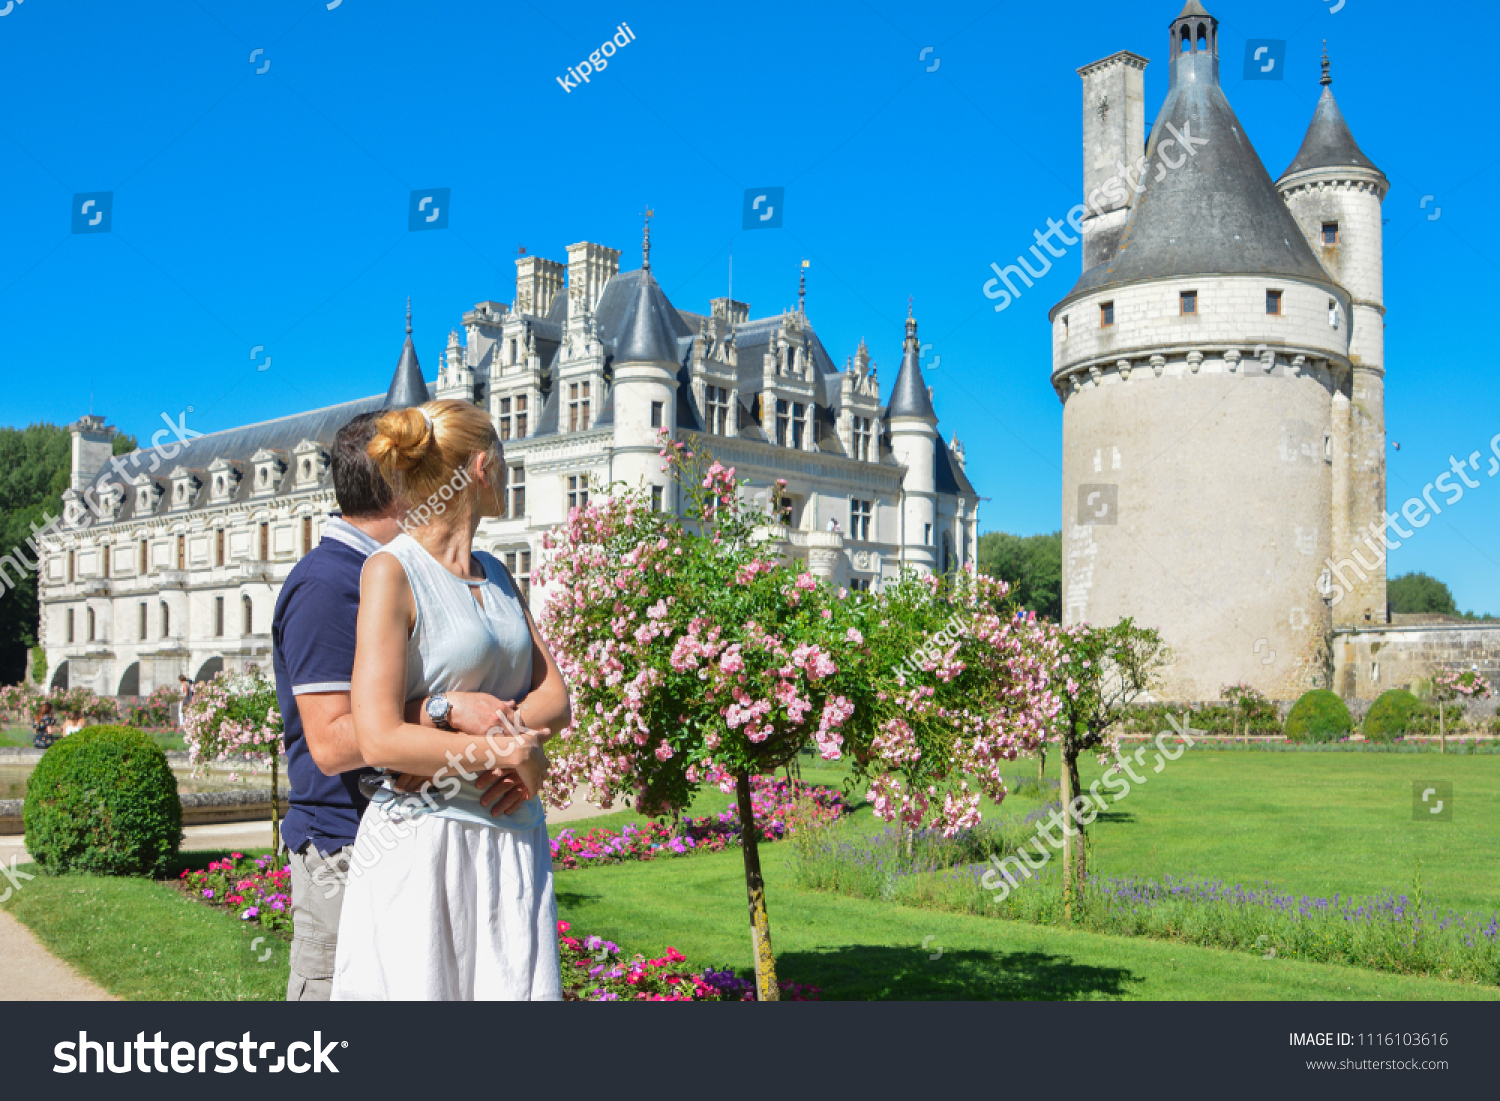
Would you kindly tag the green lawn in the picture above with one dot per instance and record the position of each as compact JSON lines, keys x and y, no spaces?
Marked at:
{"x":1309,"y":822}
{"x":22,"y":735}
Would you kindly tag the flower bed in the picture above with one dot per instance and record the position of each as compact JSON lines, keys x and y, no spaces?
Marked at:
{"x":246,"y":887}
{"x":593,"y":970}
{"x":776,"y":809}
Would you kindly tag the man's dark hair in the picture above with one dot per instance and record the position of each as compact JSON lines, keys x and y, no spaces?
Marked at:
{"x":357,"y":483}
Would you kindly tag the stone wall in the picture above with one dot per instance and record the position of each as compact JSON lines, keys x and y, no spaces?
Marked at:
{"x":1367,"y":662}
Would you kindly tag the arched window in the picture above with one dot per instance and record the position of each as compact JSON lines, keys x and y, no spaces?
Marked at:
{"x":91,"y":625}
{"x":166,"y":620}
{"x":248,"y":615}
{"x":1187,"y":40}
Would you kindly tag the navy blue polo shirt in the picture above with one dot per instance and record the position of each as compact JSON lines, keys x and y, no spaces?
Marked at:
{"x":313,"y":634}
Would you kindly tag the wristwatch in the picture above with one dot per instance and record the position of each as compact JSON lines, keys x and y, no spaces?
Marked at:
{"x":438,"y":710}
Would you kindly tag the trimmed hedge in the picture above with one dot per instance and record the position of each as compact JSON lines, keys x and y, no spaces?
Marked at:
{"x":1396,"y":713}
{"x":103,"y":801}
{"x":1319,"y":716}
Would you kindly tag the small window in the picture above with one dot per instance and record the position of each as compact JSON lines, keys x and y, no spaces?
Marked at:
{"x":218,"y":617}
{"x":145,"y":561}
{"x":70,"y":625}
{"x":104,"y":551}
{"x":91,"y":624}
{"x":265,"y":542}
{"x":247,"y":615}
{"x":219,"y":546}
{"x":656,"y":413}
{"x":516,"y":485}
{"x":1330,"y":233}
{"x":1273,"y":303}
{"x":656,"y":498}
{"x":1065,"y":327}
{"x":307,"y":534}
{"x":1187,"y":302}
{"x":142,"y":623}
{"x":72,"y":566}
{"x":182,"y":552}
{"x":1106,"y":315}
{"x":926,"y":535}
{"x":166,"y":620}
{"x":859,"y":519}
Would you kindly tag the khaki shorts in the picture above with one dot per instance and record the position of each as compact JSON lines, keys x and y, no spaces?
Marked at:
{"x":317,"y":900}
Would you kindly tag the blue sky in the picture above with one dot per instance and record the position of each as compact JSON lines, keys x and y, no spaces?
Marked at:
{"x":270,"y":208}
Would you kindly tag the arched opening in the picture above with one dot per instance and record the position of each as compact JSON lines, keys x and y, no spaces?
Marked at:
{"x":1202,"y":37}
{"x":130,"y":683}
{"x":208,"y":670}
{"x":948,"y":562}
{"x":247,"y":615}
{"x":60,"y":677}
{"x":1187,"y":40}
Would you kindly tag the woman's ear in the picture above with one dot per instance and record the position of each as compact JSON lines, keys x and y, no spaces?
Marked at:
{"x":476,"y":468}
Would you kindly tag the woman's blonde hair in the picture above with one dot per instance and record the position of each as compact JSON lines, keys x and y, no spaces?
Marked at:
{"x":421,"y":450}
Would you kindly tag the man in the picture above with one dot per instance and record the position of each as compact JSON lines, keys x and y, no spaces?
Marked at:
{"x":186,"y":688}
{"x":313,"y":633}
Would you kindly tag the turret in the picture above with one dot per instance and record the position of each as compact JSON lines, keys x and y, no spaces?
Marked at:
{"x":455,"y":377}
{"x":911,"y":425}
{"x":645,"y":382}
{"x":407,"y":387}
{"x":1335,"y":193}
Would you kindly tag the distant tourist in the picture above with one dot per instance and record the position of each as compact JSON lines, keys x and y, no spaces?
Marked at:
{"x":187,"y":696}
{"x":44,"y":726}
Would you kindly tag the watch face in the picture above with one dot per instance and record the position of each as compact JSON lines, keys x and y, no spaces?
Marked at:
{"x":438,"y":708}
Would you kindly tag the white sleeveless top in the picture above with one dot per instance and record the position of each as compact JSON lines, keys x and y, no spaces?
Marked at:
{"x":457,"y":646}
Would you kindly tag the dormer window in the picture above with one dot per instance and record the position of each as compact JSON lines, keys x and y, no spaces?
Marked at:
{"x":312,"y":464}
{"x":1330,"y":233}
{"x":717,"y":400}
{"x":578,"y":407}
{"x":223,"y":480}
{"x":268,"y":468}
{"x":185,"y":486}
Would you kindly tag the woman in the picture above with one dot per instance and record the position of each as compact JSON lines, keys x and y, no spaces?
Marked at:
{"x":44,"y":726}
{"x":445,"y":901}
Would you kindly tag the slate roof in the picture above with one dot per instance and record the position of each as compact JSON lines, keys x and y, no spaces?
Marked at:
{"x":1218,"y":212}
{"x":949,"y":476}
{"x":1329,"y":142}
{"x":909,"y":397}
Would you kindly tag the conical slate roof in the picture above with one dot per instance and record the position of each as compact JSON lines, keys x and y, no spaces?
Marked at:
{"x":646,"y":332}
{"x":1329,"y":143}
{"x":1214,"y":212}
{"x":909,"y":398}
{"x":407,"y":388}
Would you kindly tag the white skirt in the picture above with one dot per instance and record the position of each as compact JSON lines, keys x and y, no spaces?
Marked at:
{"x":440,"y":910}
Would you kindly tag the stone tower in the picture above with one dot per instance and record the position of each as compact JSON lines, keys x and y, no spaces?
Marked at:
{"x":911,"y":425}
{"x":1335,"y":192}
{"x":1199,"y":359}
{"x":645,"y":383}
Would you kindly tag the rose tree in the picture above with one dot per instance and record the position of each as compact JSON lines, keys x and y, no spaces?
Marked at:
{"x":1450,"y":685}
{"x":233,"y":717}
{"x":696,"y":655}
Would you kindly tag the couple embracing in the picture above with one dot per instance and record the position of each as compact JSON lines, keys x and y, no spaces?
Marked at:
{"x":398,"y":647}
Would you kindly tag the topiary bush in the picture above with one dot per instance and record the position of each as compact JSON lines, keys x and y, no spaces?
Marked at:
{"x":1395,"y":714}
{"x":103,"y":800}
{"x":1319,"y":716}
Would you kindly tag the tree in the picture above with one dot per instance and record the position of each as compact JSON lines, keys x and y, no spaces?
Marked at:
{"x":1102,"y":671}
{"x":1250,"y":707}
{"x":1450,"y":685}
{"x":234,"y":718}
{"x":1420,"y":594}
{"x":696,"y":656}
{"x":35,"y":466}
{"x":1030,"y":564}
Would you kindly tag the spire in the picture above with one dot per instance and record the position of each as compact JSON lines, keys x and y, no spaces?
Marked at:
{"x":1328,"y":142}
{"x":646,"y":243}
{"x":802,"y":289}
{"x":645,"y":333}
{"x":911,"y":398}
{"x":407,"y":387}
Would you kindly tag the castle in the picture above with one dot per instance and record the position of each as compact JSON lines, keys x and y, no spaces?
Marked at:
{"x":1221,"y":367}
{"x":174,"y":568}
